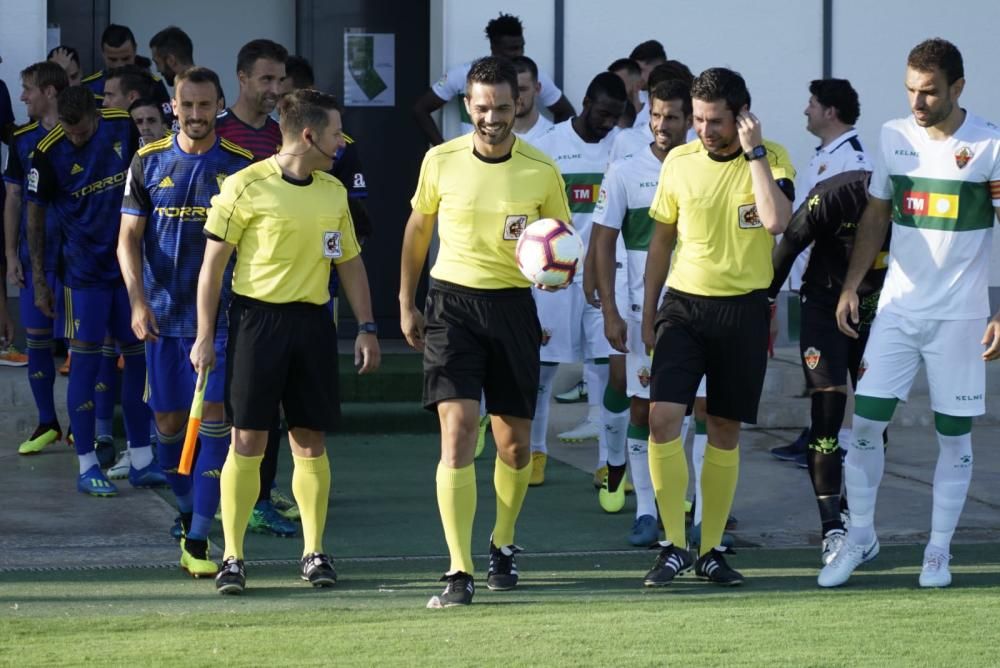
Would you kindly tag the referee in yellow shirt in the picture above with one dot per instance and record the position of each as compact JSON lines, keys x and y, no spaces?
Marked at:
{"x":720,"y":200}
{"x":287,"y":220}
{"x":479,"y":332}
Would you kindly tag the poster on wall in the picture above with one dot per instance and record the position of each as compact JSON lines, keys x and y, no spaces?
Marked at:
{"x":369,"y":69}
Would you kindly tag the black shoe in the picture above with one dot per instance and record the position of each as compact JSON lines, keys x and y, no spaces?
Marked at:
{"x":458,"y":591}
{"x":502,"y":574}
{"x":713,"y":567}
{"x":671,"y":562}
{"x":317,"y":570}
{"x":795,"y":450}
{"x":232,"y":577}
{"x":104,"y":446}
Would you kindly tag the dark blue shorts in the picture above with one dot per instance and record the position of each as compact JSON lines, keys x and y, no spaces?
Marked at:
{"x":170,"y":378}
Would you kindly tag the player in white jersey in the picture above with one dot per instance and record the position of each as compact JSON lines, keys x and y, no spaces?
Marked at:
{"x":529,"y":125}
{"x":572,"y":330}
{"x":831,"y":112}
{"x":648,"y":55}
{"x":506,"y":36}
{"x":631,"y":75}
{"x":623,"y":206}
{"x":937,"y":174}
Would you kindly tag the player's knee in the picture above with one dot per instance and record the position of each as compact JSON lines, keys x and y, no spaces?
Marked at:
{"x":170,"y":423}
{"x":665,"y":421}
{"x":723,"y":433}
{"x":827,"y":413}
{"x":639,"y":412}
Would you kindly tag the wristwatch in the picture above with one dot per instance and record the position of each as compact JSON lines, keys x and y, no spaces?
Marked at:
{"x":367,"y":328}
{"x":756,"y":153}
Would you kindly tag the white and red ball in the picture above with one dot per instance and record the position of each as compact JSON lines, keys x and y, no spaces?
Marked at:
{"x":549,"y":252}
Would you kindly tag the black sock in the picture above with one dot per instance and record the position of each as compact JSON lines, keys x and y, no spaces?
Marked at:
{"x":615,"y":476}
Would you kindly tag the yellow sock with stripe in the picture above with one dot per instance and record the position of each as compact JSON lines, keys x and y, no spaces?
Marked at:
{"x":311,"y":489}
{"x":239,"y":487}
{"x":456,"y":495}
{"x":511,"y":487}
{"x":669,"y":471}
{"x":719,"y":475}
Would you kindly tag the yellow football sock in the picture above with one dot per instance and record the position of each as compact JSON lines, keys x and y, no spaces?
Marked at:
{"x":511,"y":486}
{"x":719,"y":475}
{"x":669,"y":473}
{"x":239,"y":486}
{"x":456,"y":495}
{"x":311,"y":489}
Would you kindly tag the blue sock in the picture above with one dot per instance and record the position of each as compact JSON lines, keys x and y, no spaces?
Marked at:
{"x":42,"y":375}
{"x":168,"y":452}
{"x":80,"y":395}
{"x":215,"y":438}
{"x":134,"y":409}
{"x":105,"y":390}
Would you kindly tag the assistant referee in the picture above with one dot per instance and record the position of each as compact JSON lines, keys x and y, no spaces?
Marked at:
{"x":287,"y":220}
{"x":721,"y":200}
{"x":480,"y":331}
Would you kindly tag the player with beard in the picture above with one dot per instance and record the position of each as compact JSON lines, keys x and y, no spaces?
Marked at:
{"x":479,"y":332}
{"x":172,"y":52}
{"x":572,"y":327}
{"x":937,"y":178}
{"x":623,"y":206}
{"x":41,"y":83}
{"x":714,"y":318}
{"x":160,"y":249}
{"x":118,"y":48}
{"x":529,"y":124}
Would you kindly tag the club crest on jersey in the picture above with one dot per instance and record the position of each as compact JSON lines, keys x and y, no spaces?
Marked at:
{"x":963,"y":156}
{"x":644,"y":376}
{"x":117,"y":146}
{"x":748,"y":217}
{"x":331,"y":245}
{"x":513,"y":227}
{"x":546,"y":336}
{"x":822,"y":168}
{"x":811,"y":357}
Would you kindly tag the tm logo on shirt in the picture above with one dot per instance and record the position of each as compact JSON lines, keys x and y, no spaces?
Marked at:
{"x":583,"y":194}
{"x":916,"y":203}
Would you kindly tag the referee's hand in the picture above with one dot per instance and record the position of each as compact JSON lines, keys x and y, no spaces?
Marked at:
{"x":847,"y":308}
{"x":203,"y":354}
{"x":367,"y":354}
{"x":411,"y":321}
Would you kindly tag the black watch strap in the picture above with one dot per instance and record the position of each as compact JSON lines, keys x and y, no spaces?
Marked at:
{"x":367,"y":328}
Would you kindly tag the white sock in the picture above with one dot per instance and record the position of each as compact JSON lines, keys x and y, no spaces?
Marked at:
{"x":86,"y":461}
{"x":540,"y":425}
{"x":141,"y":457}
{"x":844,"y":437}
{"x":638,"y":470}
{"x":602,"y":448}
{"x":697,"y":461}
{"x":951,"y":485}
{"x":596,"y":376}
{"x":615,"y":426}
{"x":863,"y":469}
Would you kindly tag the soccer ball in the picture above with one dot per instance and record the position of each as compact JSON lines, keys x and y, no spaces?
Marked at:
{"x":548,"y":252}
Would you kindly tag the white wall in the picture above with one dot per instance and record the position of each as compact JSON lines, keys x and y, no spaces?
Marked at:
{"x":22,"y":42}
{"x":218,"y":29}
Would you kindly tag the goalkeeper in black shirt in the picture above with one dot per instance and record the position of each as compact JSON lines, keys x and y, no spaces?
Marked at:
{"x":829,"y":219}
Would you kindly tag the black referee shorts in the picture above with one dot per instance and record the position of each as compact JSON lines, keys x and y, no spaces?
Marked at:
{"x":482,"y":342}
{"x":722,"y":338}
{"x":828,"y":355}
{"x":281,"y":353}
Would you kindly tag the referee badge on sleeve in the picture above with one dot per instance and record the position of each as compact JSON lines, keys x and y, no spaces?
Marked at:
{"x":331,"y":245}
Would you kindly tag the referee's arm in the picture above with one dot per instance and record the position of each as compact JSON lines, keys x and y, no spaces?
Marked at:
{"x":354,"y":281}
{"x":217,"y":254}
{"x":416,"y":241}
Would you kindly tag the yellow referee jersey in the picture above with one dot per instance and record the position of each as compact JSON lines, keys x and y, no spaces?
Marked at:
{"x":722,"y":248}
{"x":483,"y":205}
{"x":286,"y":233}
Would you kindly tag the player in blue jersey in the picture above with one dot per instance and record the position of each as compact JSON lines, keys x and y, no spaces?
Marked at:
{"x":40,"y":84}
{"x":169,"y":189}
{"x":78,"y":170}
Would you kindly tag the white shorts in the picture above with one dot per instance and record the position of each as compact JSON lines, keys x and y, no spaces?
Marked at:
{"x":638,"y":365}
{"x":950,"y":349}
{"x":572,"y":329}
